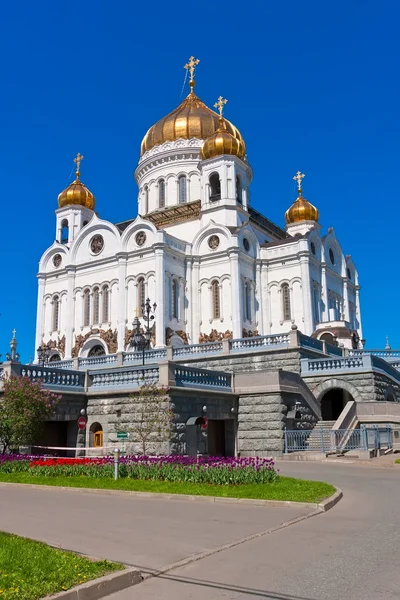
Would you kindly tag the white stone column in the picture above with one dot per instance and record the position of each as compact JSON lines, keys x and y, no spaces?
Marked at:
{"x":307,"y":300}
{"x":40,"y":324}
{"x":189,"y":299}
{"x":70,"y":313}
{"x":346,"y":301}
{"x":160,"y":296}
{"x":358,"y":312}
{"x":237,"y":294}
{"x":121,"y":302}
{"x":264,"y":297}
{"x":325,"y":299}
{"x":196,"y":311}
{"x":224,"y":182}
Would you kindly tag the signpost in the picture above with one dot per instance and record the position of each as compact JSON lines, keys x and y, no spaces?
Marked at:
{"x":205,"y":424}
{"x":122,"y":435}
{"x":82,"y":423}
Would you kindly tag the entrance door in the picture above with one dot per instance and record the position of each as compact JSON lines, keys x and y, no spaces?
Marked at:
{"x":333,"y":402}
{"x":216,"y":437}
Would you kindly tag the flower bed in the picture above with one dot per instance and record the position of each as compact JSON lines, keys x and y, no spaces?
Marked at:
{"x":212,"y":470}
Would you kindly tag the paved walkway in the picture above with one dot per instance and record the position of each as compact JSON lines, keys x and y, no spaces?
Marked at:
{"x":350,"y":553}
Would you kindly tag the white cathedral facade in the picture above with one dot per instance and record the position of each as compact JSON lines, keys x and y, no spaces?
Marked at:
{"x":215,"y":267}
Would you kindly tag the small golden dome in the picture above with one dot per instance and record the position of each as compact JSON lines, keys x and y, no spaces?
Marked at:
{"x":222,"y":142}
{"x":191,"y":119}
{"x":76,"y":192}
{"x":301,"y":210}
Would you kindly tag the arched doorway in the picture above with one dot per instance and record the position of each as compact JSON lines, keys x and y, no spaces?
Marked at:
{"x":328,"y":337}
{"x":95,"y":435}
{"x":333,"y":402}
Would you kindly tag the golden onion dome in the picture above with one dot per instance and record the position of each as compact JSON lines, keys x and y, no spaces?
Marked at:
{"x":76,"y":192}
{"x":301,"y":209}
{"x":191,"y":119}
{"x":222,"y":142}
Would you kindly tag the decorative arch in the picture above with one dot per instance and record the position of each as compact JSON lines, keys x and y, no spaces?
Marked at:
{"x":95,"y":435}
{"x":90,"y":344}
{"x":209,"y":229}
{"x":96,"y":226}
{"x":331,"y":384}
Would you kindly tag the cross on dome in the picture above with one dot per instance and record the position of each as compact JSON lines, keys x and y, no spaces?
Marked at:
{"x":79,"y":158}
{"x":191,"y":66}
{"x":220,"y":105}
{"x":298,"y":177}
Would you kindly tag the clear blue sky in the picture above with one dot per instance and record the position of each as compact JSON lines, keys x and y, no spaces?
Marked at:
{"x":312,"y":86}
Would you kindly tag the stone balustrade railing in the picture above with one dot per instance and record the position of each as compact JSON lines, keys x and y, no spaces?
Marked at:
{"x":51,"y":377}
{"x":260,"y":342}
{"x":150,"y":356}
{"x":97,"y":361}
{"x":359,"y":362}
{"x":196,"y":350}
{"x":122,"y":378}
{"x":376,"y":352}
{"x":189,"y":377}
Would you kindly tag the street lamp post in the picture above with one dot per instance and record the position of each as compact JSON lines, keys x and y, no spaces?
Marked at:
{"x":43,"y":354}
{"x":140,"y":341}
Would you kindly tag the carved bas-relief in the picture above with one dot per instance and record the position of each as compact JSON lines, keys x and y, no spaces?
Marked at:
{"x":215,"y":336}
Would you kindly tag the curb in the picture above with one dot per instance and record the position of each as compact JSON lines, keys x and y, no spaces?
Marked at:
{"x":100,"y":587}
{"x":321,"y":506}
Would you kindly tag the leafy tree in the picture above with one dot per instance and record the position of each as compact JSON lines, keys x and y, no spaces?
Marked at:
{"x":23,"y":409}
{"x":152,"y":416}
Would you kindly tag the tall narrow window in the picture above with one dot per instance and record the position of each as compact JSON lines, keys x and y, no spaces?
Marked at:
{"x":106,"y":302}
{"x":146,"y":199}
{"x":64,"y":231}
{"x":182,"y":189}
{"x":286,"y":302}
{"x":96,"y":306}
{"x":86,"y":308}
{"x":215,"y":187}
{"x":174,"y":299}
{"x":216,"y":305}
{"x":238,"y":189}
{"x":247,"y":301}
{"x":141,"y":294}
{"x":316,"y":303}
{"x":161,"y":193}
{"x":56,"y":313}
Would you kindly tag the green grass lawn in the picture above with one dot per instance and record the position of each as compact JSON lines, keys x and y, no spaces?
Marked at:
{"x":286,"y":488}
{"x":397,"y":461}
{"x":30,"y":570}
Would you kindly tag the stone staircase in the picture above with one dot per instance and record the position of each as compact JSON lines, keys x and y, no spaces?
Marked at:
{"x":322,"y":430}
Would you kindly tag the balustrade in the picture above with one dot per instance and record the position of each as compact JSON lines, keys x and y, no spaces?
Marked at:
{"x":187,"y":376}
{"x":130,"y":378}
{"x":53,"y":377}
{"x":149,"y":356}
{"x":196,"y":349}
{"x":255,"y":343}
{"x":98,"y":361}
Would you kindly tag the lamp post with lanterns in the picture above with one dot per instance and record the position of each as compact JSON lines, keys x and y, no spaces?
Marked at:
{"x":43,"y":354}
{"x":141,"y":341}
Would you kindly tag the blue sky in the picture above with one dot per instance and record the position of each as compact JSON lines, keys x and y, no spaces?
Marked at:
{"x":312,"y":86}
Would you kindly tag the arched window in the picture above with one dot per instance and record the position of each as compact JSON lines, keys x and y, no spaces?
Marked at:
{"x":56,"y":313}
{"x":216,"y":304}
{"x":106,"y":302}
{"x":175,"y":299}
{"x":247,"y":301}
{"x":146,"y":199}
{"x":182,"y":189}
{"x":286,"y":302}
{"x":96,"y":305}
{"x":97,"y":350}
{"x":54,"y":358}
{"x":64,"y":231}
{"x":86,"y":308}
{"x":238,"y":189}
{"x":215,"y":187}
{"x":161,"y":193}
{"x":141,"y":299}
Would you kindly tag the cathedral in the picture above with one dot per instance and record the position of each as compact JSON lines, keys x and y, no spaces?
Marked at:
{"x":215,"y":267}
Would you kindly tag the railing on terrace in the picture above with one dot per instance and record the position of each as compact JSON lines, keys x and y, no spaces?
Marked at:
{"x":98,"y":361}
{"x":127,"y":378}
{"x":325,"y":441}
{"x":262,"y":341}
{"x":310,"y":366}
{"x":53,"y":377}
{"x":376,"y":352}
{"x":197,"y":349}
{"x":155,"y":355}
{"x":309,"y":342}
{"x":331,"y":349}
{"x":63,"y":364}
{"x":188,"y":377}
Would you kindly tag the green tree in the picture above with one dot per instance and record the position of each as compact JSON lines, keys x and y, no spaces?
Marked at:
{"x":152,"y":416}
{"x":24,"y":408}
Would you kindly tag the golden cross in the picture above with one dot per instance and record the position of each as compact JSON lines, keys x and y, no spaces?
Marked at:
{"x":79,"y":158}
{"x":191,"y":66}
{"x":220,"y":105}
{"x":298,"y":177}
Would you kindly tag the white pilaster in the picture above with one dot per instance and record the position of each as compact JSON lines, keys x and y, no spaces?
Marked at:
{"x":358,"y":312}
{"x":237,"y":327}
{"x":121,"y":302}
{"x":70,"y":313}
{"x":325,"y":299}
{"x":307,"y":300}
{"x":40,"y":313}
{"x":264,"y":299}
{"x":196,"y":316}
{"x":160,"y":295}
{"x":189,"y":296}
{"x":346,"y":301}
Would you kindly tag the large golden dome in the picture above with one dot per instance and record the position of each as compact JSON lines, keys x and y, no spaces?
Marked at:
{"x":222,"y":142}
{"x":192,"y":119}
{"x":76,"y":192}
{"x":301,"y":209}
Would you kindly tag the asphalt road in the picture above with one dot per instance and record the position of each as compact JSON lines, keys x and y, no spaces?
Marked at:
{"x":351,"y":552}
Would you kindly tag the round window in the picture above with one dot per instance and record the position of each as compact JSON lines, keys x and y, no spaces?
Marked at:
{"x":57,"y":260}
{"x":140,"y":238}
{"x":213,"y":242}
{"x":246,"y":244}
{"x":312,"y":246}
{"x":331,"y":256}
{"x":97,"y":244}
